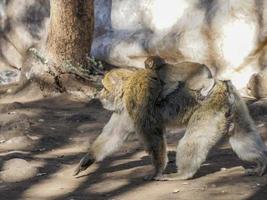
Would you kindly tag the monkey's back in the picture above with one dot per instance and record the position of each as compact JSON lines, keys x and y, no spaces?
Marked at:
{"x":178,"y":107}
{"x":141,"y":92}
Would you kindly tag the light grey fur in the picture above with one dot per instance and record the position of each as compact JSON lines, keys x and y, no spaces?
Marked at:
{"x":196,"y":76}
{"x":113,"y":135}
{"x":206,"y":121}
{"x":207,"y":126}
{"x":245,"y":140}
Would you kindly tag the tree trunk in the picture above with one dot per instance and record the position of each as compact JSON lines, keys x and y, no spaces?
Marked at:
{"x":71,"y":31}
{"x":69,"y":41}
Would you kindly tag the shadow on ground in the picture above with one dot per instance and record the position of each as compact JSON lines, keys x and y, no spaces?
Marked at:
{"x":60,"y":130}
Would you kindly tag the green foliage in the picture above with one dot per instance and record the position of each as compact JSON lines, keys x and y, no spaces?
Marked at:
{"x":93,"y":67}
{"x":93,"y":62}
{"x":38,"y":56}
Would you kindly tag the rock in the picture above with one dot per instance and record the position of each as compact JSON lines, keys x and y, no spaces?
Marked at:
{"x":10,"y":107}
{"x":14,"y":125}
{"x":76,"y":86}
{"x":18,"y":143}
{"x":21,"y":141}
{"x":176,"y":191}
{"x":16,"y":170}
{"x":213,"y":185}
{"x":2,"y":141}
{"x":9,"y":76}
{"x":41,"y":174}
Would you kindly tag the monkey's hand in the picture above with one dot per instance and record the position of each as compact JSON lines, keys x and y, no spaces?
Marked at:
{"x":171,"y":177}
{"x":155,"y":177}
{"x":85,"y":162}
{"x":259,"y":171}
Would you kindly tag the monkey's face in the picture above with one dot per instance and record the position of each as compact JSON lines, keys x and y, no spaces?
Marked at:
{"x":112,"y":93}
{"x":154,"y":62}
{"x":108,"y":100}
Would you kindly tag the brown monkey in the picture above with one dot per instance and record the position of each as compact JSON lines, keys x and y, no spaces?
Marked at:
{"x":140,"y":91}
{"x":118,"y":128}
{"x":196,"y":76}
{"x":123,"y":91}
{"x":154,"y":63}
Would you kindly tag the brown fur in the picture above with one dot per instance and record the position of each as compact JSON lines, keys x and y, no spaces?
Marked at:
{"x":208,"y":118}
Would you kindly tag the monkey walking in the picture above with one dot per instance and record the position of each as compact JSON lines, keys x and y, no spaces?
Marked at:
{"x":208,"y":108}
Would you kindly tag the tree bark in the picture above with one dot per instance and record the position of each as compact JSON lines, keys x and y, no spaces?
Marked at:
{"x":68,"y":41}
{"x":71,"y":31}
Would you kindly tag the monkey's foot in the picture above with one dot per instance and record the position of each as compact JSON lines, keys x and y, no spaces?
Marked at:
{"x":172,"y":177}
{"x":154,"y":177}
{"x":258,"y":171}
{"x":85,"y":162}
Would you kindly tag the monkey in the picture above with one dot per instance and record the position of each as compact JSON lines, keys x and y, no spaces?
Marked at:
{"x":140,"y":110}
{"x":207,"y":123}
{"x":154,"y":63}
{"x":124,"y":89}
{"x":113,"y":83}
{"x":257,"y":85}
{"x":196,"y":76}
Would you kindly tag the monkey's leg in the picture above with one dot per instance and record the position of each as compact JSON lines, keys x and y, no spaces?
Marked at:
{"x":249,"y":147}
{"x":246,"y":141}
{"x":156,"y":146}
{"x":113,"y":135}
{"x":202,"y":133}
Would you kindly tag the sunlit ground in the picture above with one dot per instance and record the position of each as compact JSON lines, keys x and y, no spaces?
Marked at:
{"x":62,"y":128}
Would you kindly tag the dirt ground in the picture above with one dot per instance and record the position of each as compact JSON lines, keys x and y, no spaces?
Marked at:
{"x":42,"y":141}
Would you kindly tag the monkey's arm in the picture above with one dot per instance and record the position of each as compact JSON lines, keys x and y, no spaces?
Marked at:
{"x":113,"y":135}
{"x":194,"y":76}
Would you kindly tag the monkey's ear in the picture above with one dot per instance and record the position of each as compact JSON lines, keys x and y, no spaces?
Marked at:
{"x":112,"y":83}
{"x":154,"y":62}
{"x":208,"y":84}
{"x":201,"y":84}
{"x":116,"y":78}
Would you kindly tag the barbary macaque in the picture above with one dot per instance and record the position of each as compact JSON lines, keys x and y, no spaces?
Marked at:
{"x":196,"y":76}
{"x":210,"y":109}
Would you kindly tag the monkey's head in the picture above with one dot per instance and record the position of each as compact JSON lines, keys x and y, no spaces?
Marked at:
{"x":112,"y":92}
{"x":154,"y":62}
